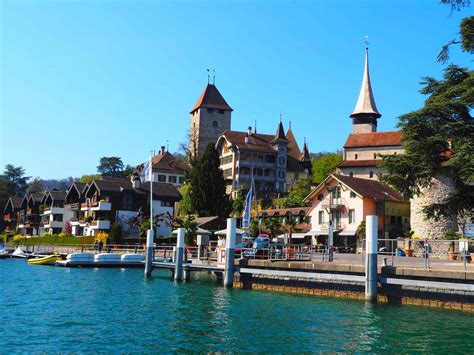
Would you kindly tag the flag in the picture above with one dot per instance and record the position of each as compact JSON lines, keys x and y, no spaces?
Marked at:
{"x":248,"y":208}
{"x":146,"y":172}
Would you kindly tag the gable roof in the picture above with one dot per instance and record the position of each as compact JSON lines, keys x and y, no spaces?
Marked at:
{"x":293,"y":147}
{"x":374,"y":139}
{"x":166,"y":162}
{"x":256,"y":141}
{"x":280,"y":134}
{"x":363,"y":187}
{"x":211,"y":98}
{"x":14,"y":202}
{"x":55,"y":196}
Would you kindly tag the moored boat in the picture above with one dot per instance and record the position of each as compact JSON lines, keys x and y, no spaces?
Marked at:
{"x":46,"y":260}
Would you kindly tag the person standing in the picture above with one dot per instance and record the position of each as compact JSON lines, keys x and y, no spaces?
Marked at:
{"x":101,"y":245}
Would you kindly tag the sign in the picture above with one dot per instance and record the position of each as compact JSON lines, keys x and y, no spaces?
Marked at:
{"x":469,"y":230}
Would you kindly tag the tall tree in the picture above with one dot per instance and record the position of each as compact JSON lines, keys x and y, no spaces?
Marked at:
{"x":35,"y":186}
{"x":439,"y":141}
{"x":185,"y":204}
{"x":208,"y":192}
{"x":325,"y":165}
{"x":16,"y":175}
{"x":110,"y":166}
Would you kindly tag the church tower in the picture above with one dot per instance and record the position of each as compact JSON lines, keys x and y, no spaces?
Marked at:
{"x":210,"y":117}
{"x":365,"y":115}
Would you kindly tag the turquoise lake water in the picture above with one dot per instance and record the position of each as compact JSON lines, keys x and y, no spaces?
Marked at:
{"x":51,"y":309}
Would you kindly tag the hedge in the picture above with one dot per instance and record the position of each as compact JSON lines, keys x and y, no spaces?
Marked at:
{"x":55,"y":239}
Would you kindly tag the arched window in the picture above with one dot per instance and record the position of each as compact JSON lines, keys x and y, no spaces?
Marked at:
{"x":281,"y":160}
{"x":356,"y":156}
{"x":371,"y":174}
{"x":351,"y":174}
{"x":214,"y":123}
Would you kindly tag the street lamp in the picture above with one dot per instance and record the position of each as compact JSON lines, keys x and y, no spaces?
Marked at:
{"x":331,"y":227}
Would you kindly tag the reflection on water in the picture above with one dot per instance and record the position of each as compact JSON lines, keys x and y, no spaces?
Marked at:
{"x":118,"y":310}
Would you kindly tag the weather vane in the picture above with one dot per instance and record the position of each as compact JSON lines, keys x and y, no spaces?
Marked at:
{"x":366,"y":40}
{"x":208,"y":75}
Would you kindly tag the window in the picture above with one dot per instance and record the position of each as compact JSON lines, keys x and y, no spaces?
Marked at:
{"x":281,"y":174}
{"x":162,"y":178}
{"x":375,"y":155}
{"x":281,"y":160}
{"x":166,"y":204}
{"x":353,"y":194}
{"x":371,"y":174}
{"x":209,"y":110}
{"x":393,"y":220}
{"x":320,"y":197}
{"x":351,"y":216}
{"x":172,"y":179}
{"x":127,"y":202}
{"x":351,"y":174}
{"x":221,"y":111}
{"x":356,"y":156}
{"x":214,"y":123}
{"x":181,"y":180}
{"x":320,"y":217}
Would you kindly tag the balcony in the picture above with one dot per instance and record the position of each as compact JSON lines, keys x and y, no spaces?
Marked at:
{"x":337,"y":226}
{"x":100,"y":224}
{"x":74,"y":221}
{"x":53,"y":224}
{"x":52,"y":210}
{"x":8,"y":217}
{"x":84,"y":206}
{"x":72,"y":206}
{"x":101,"y":206}
{"x":333,"y":203}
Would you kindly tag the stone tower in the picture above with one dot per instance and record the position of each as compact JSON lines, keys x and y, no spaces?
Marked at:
{"x":210,"y":117}
{"x":365,"y":115}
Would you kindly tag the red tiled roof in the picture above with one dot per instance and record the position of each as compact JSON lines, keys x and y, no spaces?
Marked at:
{"x":374,"y":139}
{"x":371,"y":188}
{"x":293,"y":148}
{"x":211,"y":98}
{"x":351,"y":163}
{"x":257,"y":141}
{"x":166,"y":162}
{"x":295,"y":211}
{"x":280,"y":134}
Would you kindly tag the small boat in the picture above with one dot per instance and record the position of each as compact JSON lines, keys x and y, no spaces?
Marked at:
{"x":45,"y":260}
{"x":19,"y":253}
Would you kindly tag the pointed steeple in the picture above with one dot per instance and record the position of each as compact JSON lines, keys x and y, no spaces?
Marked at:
{"x":211,"y":98}
{"x":280,"y":134}
{"x":305,"y":156}
{"x":365,"y":107}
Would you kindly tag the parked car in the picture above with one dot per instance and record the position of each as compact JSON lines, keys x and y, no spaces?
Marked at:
{"x":246,"y":244}
{"x":260,"y":247}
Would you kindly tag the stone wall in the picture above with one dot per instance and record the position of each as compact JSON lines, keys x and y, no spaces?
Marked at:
{"x":431,"y":229}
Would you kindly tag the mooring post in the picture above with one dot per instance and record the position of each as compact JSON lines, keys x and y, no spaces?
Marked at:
{"x":149,"y":252}
{"x":178,"y":261}
{"x":229,"y":253}
{"x":371,"y":243}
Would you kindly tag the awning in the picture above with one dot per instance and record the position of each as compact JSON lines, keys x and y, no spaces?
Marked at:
{"x":316,"y":232}
{"x":346,"y":232}
{"x":238,"y":231}
{"x":199,"y":231}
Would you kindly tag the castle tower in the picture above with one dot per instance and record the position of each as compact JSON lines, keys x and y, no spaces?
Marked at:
{"x":306,"y":159}
{"x":280,"y":144}
{"x":365,"y":115}
{"x":210,"y":117}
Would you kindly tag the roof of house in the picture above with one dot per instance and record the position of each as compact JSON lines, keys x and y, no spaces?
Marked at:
{"x":204,"y":220}
{"x":211,"y":98}
{"x":294,"y":211}
{"x":351,"y":163}
{"x":292,"y":144}
{"x":295,"y":156}
{"x":256,"y":141}
{"x":280,"y":134}
{"x":363,"y":187}
{"x":160,"y":190}
{"x":366,"y":103}
{"x":166,"y":162}
{"x":374,"y":139}
{"x":14,"y":201}
{"x":37,"y":197}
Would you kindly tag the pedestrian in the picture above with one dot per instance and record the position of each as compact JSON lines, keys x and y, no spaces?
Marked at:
{"x":96,"y":247}
{"x":101,"y":245}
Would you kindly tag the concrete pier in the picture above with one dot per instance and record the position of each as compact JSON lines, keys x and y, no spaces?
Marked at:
{"x":371,"y":244}
{"x":229,"y":253}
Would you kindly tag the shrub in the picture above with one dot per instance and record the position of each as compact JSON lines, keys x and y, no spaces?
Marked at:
{"x":116,"y":233}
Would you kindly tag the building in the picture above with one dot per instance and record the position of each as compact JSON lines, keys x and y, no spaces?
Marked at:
{"x":210,"y":117}
{"x":351,"y":200}
{"x":364,"y":147}
{"x":273,"y":161}
{"x":29,"y":216}
{"x":166,"y":168}
{"x":75,"y":196}
{"x":11,"y":214}
{"x":53,"y":213}
{"x":117,"y":200}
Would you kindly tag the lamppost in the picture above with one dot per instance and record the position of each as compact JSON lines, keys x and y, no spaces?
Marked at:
{"x":331,"y":226}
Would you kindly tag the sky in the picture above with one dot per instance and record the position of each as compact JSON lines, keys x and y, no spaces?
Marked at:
{"x":82,"y":79}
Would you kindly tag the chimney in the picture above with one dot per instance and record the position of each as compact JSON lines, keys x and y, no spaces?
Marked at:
{"x":162,"y":149}
{"x":136,"y":182}
{"x":249,"y":131}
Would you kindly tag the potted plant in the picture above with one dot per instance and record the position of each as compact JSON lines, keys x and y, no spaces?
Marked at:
{"x":452,"y":253}
{"x":409,"y":235}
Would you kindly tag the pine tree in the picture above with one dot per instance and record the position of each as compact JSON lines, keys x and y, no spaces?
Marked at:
{"x":208,"y":192}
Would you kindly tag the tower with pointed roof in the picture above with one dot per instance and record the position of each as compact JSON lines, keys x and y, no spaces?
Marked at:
{"x":210,"y":117}
{"x":365,"y":115}
{"x":280,"y":144}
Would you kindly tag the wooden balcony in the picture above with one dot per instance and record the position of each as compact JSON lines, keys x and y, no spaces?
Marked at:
{"x":8,"y":217}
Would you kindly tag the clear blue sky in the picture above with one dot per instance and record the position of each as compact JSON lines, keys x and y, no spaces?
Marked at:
{"x":86,"y":79}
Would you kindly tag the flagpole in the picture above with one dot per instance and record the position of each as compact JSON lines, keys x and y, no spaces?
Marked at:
{"x":150,"y":234}
{"x":151,"y":190}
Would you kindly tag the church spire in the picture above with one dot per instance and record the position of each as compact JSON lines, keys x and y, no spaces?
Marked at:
{"x":365,"y":107}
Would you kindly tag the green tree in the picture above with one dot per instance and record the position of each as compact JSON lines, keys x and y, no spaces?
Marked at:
{"x":88,"y":178}
{"x":208,"y":192}
{"x":238,"y":205}
{"x":116,"y":233}
{"x":289,"y":224}
{"x":16,"y":175}
{"x":297,"y":194}
{"x":325,"y":165}
{"x":439,"y":141}
{"x":110,"y":166}
{"x":272,"y":226}
{"x":185,"y":204}
{"x":35,"y":186}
